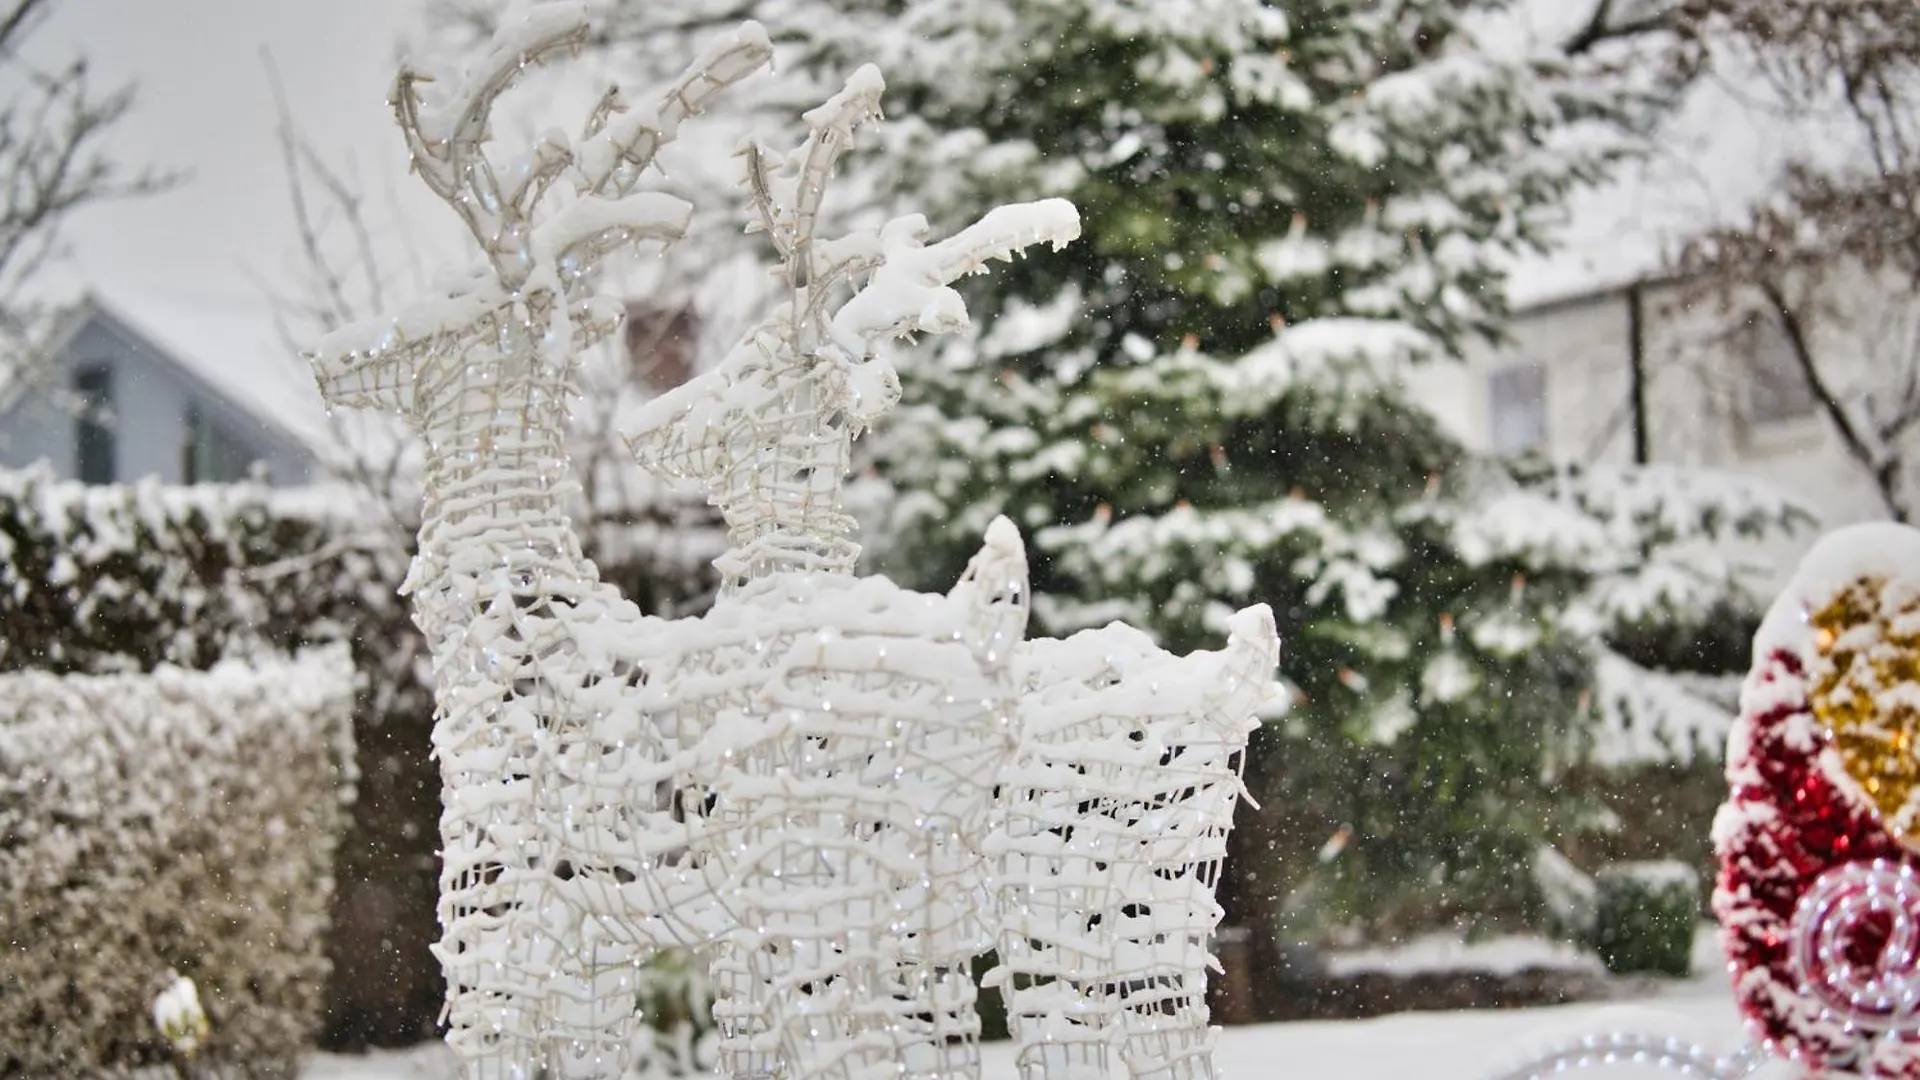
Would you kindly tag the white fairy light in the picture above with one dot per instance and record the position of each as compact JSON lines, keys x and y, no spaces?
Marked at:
{"x":842,"y":790}
{"x":1647,"y":1051}
{"x":1879,"y":898}
{"x":1878,"y":902}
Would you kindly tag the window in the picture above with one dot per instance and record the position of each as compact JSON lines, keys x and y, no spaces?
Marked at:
{"x":1775,"y":387}
{"x":213,"y":455}
{"x":93,"y":425}
{"x":1517,"y":409}
{"x":661,"y":343}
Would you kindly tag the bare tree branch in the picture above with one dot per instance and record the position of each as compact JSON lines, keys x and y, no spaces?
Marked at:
{"x":1882,"y":465}
{"x":1831,"y":229}
{"x":476,"y":20}
{"x":52,"y":164}
{"x":1601,"y":28}
{"x":16,"y":23}
{"x":341,"y":289}
{"x":296,"y":159}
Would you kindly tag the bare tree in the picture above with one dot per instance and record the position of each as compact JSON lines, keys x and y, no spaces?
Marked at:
{"x":54,"y":127}
{"x":1841,"y":226}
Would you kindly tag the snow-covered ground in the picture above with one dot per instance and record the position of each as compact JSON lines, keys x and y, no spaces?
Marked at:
{"x":1500,"y":955}
{"x":1407,"y":1046}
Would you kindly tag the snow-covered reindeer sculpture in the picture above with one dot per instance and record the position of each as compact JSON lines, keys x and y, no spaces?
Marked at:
{"x":552,"y":849}
{"x":842,"y":790}
{"x":858,"y":830}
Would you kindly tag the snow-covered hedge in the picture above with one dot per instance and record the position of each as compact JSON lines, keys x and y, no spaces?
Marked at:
{"x":123,"y":578}
{"x":169,"y":822}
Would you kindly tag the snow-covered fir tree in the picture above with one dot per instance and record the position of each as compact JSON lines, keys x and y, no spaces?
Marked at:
{"x":1285,"y":203}
{"x":1688,"y":568}
{"x":1687,"y":563}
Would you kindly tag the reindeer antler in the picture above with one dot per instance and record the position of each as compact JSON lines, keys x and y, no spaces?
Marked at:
{"x":619,"y":146}
{"x":372,"y":363}
{"x":909,"y":292}
{"x":792,"y":229}
{"x":446,"y":142}
{"x":770,"y":430}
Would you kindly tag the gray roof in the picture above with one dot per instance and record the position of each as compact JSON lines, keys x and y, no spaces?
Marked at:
{"x":236,"y":356}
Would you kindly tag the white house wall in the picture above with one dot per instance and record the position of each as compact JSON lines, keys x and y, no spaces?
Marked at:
{"x":39,"y":430}
{"x":1694,"y":375}
{"x":1583,"y":347}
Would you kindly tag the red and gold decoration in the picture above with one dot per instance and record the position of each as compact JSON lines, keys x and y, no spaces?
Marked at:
{"x":1866,"y":692}
{"x":1819,"y":888}
{"x":1818,"y":894}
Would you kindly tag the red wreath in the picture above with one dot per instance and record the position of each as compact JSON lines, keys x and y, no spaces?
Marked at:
{"x":1787,"y":821}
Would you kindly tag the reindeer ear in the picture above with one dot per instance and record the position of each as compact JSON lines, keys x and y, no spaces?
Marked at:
{"x":995,"y":591}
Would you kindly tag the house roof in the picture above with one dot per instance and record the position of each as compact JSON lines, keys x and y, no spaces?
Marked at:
{"x":1725,"y":146}
{"x":1723,"y":150}
{"x":235,"y":354}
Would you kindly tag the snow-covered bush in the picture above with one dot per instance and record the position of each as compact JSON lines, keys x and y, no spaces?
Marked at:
{"x":1638,"y":916}
{"x":168,"y":824}
{"x":103,"y":579}
{"x":1644,"y":917}
{"x":126,"y":577}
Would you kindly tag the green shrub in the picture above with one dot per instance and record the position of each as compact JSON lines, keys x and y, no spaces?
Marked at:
{"x":1644,"y":918}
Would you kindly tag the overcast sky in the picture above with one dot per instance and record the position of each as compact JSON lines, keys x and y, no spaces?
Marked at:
{"x":224,"y":236}
{"x":205,"y":106}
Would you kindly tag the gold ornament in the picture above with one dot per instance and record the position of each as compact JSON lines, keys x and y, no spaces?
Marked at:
{"x":1866,"y":693}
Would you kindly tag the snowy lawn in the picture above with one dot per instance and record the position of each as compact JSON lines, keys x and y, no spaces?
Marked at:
{"x":1407,"y":1046}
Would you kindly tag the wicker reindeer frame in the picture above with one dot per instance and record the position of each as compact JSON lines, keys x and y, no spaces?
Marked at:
{"x":840,"y":790}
